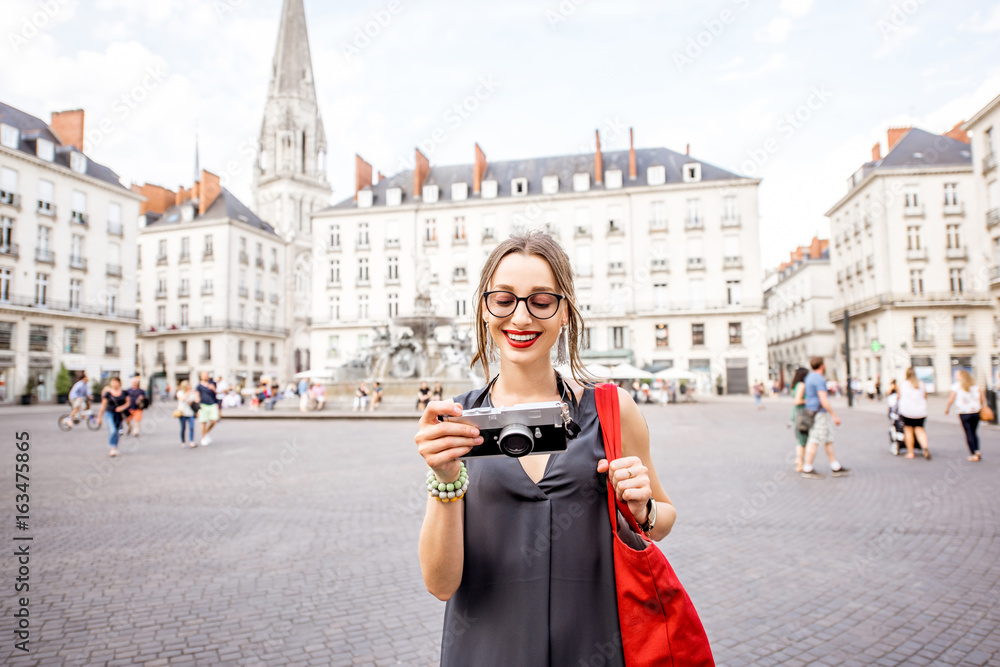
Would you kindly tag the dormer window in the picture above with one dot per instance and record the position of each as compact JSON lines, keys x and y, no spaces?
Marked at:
{"x":45,"y":149}
{"x":459,"y":191}
{"x":10,"y":136}
{"x":613,"y":179}
{"x":394,"y":196}
{"x":489,"y":190}
{"x":187,"y":213}
{"x":581,"y":182}
{"x":78,"y":162}
{"x":519,"y":187}
{"x":692,"y":172}
{"x":430,"y":194}
{"x":656,"y":175}
{"x":550,"y":185}
{"x":365,"y":198}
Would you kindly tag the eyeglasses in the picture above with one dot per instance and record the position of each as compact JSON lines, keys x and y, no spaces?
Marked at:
{"x":541,"y":305}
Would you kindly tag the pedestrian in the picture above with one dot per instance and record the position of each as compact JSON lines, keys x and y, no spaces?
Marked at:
{"x":541,"y":590}
{"x":376,"y":395}
{"x":913,"y":411}
{"x":78,"y":396}
{"x":138,"y":401}
{"x":798,"y":404}
{"x":304,"y":399}
{"x":115,"y":402}
{"x":423,"y":396}
{"x":319,"y":394}
{"x":636,"y":390}
{"x":437,"y":392}
{"x":878,"y":386}
{"x":758,"y":392}
{"x":360,"y":398}
{"x":969,"y":399}
{"x":208,"y":407}
{"x":185,"y":411}
{"x":818,"y":402}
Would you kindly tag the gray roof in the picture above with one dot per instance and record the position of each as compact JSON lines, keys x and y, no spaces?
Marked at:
{"x":535,"y":168}
{"x":226,"y":205}
{"x":33,"y":128}
{"x":919,"y":148}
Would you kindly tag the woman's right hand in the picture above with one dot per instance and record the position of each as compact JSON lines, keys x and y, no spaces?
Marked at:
{"x":441,"y":443}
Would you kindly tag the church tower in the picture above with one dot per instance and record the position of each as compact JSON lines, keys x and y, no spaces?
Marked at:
{"x":289,"y":181}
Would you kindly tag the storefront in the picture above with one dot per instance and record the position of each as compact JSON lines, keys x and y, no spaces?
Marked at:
{"x":924,"y":368}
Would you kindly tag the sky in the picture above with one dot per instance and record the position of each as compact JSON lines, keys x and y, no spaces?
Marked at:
{"x":794,"y":92}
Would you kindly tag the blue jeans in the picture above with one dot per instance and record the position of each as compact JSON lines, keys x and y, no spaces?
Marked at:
{"x":189,"y":421}
{"x":113,"y":425}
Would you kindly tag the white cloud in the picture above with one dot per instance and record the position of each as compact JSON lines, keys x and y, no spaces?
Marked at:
{"x":775,"y":32}
{"x":894,"y":37}
{"x":979,"y":23}
{"x":774,"y":62}
{"x":796,"y":7}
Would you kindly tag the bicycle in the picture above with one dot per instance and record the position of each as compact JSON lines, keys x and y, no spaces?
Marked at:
{"x":82,"y":415}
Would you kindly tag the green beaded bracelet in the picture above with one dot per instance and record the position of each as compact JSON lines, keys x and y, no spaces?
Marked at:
{"x":448,"y":492}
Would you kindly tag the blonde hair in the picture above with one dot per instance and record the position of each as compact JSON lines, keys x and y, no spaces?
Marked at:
{"x":965,"y":380}
{"x":184,"y":385}
{"x":911,"y":376}
{"x":543,"y":246}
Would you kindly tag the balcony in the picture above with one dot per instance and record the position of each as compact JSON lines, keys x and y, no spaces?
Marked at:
{"x":696,"y":264}
{"x":581,"y":231}
{"x":161,"y":260}
{"x":363,"y":282}
{"x":259,"y":295}
{"x":181,"y":359}
{"x":958,"y":253}
{"x":915,"y":211}
{"x":242,"y":358}
{"x":161,"y":294}
{"x":334,"y":247}
{"x":112,"y":351}
{"x":957,"y":208}
{"x":45,"y":256}
{"x":458,"y":239}
{"x":459,"y":275}
{"x":992,"y":218}
{"x":183,"y":291}
{"x":657,"y":224}
{"x":732,"y":220}
{"x":925,"y":340}
{"x":735,"y":262}
{"x":207,"y":290}
{"x":185,"y":258}
{"x":989,"y":163}
{"x":274,"y":360}
{"x":963,"y":340}
{"x":10,"y":199}
{"x":114,"y":270}
{"x":46,"y":208}
{"x":333,"y":283}
{"x":79,"y":217}
{"x":205,"y":357}
{"x":615,"y":227}
{"x":274,"y":267}
{"x":243,"y":291}
{"x":583,"y":272}
{"x":362,"y":245}
{"x":693,"y":223}
{"x":917,"y":254}
{"x":10,"y":250}
{"x":430,"y":242}
{"x":616,"y":267}
{"x":78,"y":263}
{"x":259,"y":262}
{"x":274,"y":298}
{"x":244,"y":257}
{"x":552,"y":230}
{"x":161,"y":358}
{"x":659,"y":265}
{"x":115,"y":228}
{"x":394,"y":243}
{"x":207,"y":254}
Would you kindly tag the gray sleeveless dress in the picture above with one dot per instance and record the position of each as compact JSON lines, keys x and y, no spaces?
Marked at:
{"x":538,"y":583}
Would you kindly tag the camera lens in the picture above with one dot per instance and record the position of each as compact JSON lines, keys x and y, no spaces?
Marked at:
{"x":515,"y":440}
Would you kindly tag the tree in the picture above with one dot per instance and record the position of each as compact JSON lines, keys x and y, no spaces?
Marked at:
{"x":63,"y":381}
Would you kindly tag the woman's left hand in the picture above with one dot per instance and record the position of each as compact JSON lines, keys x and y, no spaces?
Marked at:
{"x":631,"y":480}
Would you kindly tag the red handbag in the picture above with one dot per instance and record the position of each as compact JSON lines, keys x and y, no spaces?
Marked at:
{"x":659,"y":624}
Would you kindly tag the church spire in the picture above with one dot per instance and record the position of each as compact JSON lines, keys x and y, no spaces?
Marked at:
{"x":292,"y":74}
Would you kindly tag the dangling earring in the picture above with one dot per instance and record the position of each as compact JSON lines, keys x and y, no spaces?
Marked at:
{"x":562,"y":348}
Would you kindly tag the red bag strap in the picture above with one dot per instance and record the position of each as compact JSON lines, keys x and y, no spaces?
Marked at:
{"x":609,"y":414}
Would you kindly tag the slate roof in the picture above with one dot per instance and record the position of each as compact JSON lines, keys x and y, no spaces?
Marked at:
{"x":534,"y":169}
{"x":33,"y":128}
{"x":919,"y":148}
{"x":226,"y":205}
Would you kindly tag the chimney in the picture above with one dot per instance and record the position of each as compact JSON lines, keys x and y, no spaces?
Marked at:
{"x":68,"y":126}
{"x":362,"y":175}
{"x":876,"y":152}
{"x":478,"y":170}
{"x":894,"y":135}
{"x":957,"y":133}
{"x":210,"y":188}
{"x":598,"y":161}
{"x":421,"y":168}
{"x":631,"y":155}
{"x":380,"y":177}
{"x":815,"y":248}
{"x":687,"y":151}
{"x":158,"y":199}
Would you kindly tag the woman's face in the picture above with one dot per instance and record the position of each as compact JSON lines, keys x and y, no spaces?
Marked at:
{"x":521,"y":337}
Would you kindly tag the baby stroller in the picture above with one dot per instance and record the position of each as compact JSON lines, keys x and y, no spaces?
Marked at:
{"x":896,"y":438}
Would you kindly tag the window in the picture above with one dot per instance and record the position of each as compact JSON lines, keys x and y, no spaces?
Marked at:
{"x":430,"y":230}
{"x":241,"y":313}
{"x":333,"y":345}
{"x":460,"y":308}
{"x":78,"y":162}
{"x":961,"y":325}
{"x":161,"y":250}
{"x":334,"y":271}
{"x":615,"y":219}
{"x":957,"y":278}
{"x":953,"y":237}
{"x":489,"y":189}
{"x":362,"y":234}
{"x":362,"y":306}
{"x":45,"y":149}
{"x":662,"y":335}
{"x":363,"y":269}
{"x":10,"y":136}
{"x":550,"y":185}
{"x":582,"y":221}
{"x":584,"y":266}
{"x":459,"y":191}
{"x":618,"y":338}
{"x":731,"y":248}
{"x":5,"y":276}
{"x":581,"y":182}
{"x":656,"y":175}
{"x":613,"y":179}
{"x":185,"y":317}
{"x":920,"y":331}
{"x":110,"y":342}
{"x":697,"y":334}
{"x":586,"y":336}
{"x":274,"y":258}
{"x":951,"y":194}
{"x":46,"y":196}
{"x":274,"y":354}
{"x":206,"y":314}
{"x":334,"y":236}
{"x":182,"y":353}
{"x":208,"y":245}
{"x":334,"y":308}
{"x":111,"y":300}
{"x":911,"y":194}
{"x":729,"y":208}
{"x":734,"y":292}
{"x":8,"y":185}
{"x":392,"y":233}
{"x":185,"y":248}
{"x":161,"y":285}
{"x":161,"y":317}
{"x":259,"y":255}
{"x":661,"y":296}
{"x":616,"y":254}
{"x":519,"y":186}
{"x":75,"y":293}
{"x":459,"y":234}
{"x":38,"y":338}
{"x":695,"y":252}
{"x":658,"y":215}
{"x":735,"y":333}
{"x":41,"y":289}
{"x":393,"y":196}
{"x":430,"y":194}
{"x":916,"y":281}
{"x":697,"y":292}
{"x":79,"y":212}
{"x":256,"y":351}
{"x":393,"y":263}
{"x":393,"y":299}
{"x":206,"y":350}
{"x":114,"y":217}
{"x":913,"y":237}
{"x":74,"y":341}
{"x":6,"y":335}
{"x":693,"y":213}
{"x":692,"y":172}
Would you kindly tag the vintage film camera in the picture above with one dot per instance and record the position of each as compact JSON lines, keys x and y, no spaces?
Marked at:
{"x":520,"y":430}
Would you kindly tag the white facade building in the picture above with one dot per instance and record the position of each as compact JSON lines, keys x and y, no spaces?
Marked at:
{"x":908,"y":254}
{"x":664,"y":247}
{"x":211,"y":288}
{"x":799,"y":295}
{"x":66,"y":232}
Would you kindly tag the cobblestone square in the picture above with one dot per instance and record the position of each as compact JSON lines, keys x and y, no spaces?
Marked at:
{"x":294,"y":542}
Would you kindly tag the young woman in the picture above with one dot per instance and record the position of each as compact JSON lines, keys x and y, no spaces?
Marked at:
{"x":437,"y":393}
{"x":798,"y":404}
{"x":527,"y":551}
{"x":185,"y":398}
{"x":912,"y":408}
{"x":969,"y":400}
{"x":115,"y":401}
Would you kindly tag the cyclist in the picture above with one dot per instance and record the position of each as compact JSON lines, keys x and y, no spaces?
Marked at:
{"x":79,"y":397}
